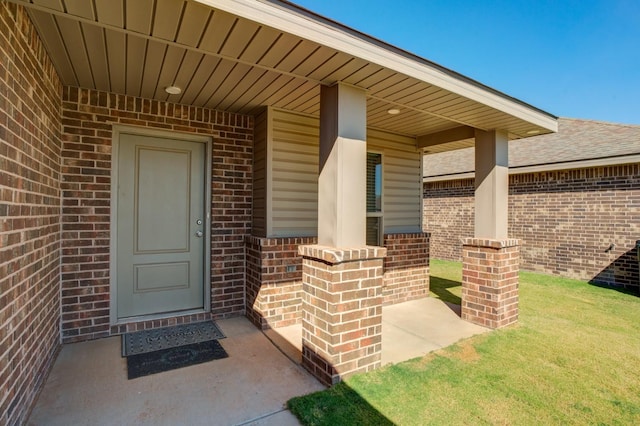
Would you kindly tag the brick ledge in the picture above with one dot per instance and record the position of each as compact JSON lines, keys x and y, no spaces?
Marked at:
{"x":335,"y":255}
{"x":490,"y":243}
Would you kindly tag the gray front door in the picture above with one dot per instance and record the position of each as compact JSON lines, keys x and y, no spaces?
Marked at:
{"x":160,"y":225}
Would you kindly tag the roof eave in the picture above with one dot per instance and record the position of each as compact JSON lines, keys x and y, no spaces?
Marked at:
{"x":292,"y":19}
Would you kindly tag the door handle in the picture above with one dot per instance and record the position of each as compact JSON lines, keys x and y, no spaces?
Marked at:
{"x":199,"y":234}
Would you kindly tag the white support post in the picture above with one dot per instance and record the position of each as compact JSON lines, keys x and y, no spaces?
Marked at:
{"x":492,"y":185}
{"x":342,"y":182}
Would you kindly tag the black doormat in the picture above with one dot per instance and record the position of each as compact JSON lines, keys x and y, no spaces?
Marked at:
{"x":172,"y":358}
{"x":140,"y":342}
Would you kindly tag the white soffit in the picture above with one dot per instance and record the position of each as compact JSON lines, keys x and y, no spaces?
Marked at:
{"x":285,"y":18}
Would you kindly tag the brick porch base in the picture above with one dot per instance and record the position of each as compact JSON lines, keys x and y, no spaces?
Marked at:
{"x":490,"y":281}
{"x":342,"y":311}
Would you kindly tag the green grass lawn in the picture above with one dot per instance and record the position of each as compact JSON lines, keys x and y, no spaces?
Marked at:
{"x":573,"y":358}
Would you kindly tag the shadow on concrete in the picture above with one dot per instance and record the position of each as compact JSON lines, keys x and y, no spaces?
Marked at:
{"x":334,"y":405}
{"x":440,"y":287}
{"x":621,"y":275}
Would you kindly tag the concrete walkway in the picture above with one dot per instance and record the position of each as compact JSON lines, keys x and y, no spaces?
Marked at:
{"x":409,"y":330}
{"x":88,"y":386}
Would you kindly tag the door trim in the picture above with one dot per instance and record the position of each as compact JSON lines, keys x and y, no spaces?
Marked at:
{"x":119,"y":129}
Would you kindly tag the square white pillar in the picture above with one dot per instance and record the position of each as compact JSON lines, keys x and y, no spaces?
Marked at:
{"x":342,"y":185}
{"x":492,"y":184}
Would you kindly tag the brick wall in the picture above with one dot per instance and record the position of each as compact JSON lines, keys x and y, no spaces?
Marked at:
{"x":87,"y":121}
{"x":490,"y":282}
{"x":448,"y":216}
{"x":567,"y":221}
{"x":274,"y":296}
{"x":406,"y":267}
{"x":274,"y":281}
{"x":29,"y":214}
{"x":342,"y":311}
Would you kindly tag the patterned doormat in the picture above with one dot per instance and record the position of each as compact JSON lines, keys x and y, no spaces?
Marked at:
{"x":145,"y":341}
{"x":169,"y":359}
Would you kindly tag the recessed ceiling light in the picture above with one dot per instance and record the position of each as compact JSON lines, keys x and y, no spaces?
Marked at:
{"x":393,"y":111}
{"x":533,"y":132}
{"x":173,"y":90}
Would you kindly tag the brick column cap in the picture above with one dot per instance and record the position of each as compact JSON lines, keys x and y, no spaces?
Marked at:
{"x":490,"y":243}
{"x":336,"y":255}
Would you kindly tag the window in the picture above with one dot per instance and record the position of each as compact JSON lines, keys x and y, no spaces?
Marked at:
{"x":374,"y":199}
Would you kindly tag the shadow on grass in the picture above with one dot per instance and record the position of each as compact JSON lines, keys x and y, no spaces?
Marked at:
{"x":623,"y":274}
{"x":440,"y":287}
{"x":338,"y":405}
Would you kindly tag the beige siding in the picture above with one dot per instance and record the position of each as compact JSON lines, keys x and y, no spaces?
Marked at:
{"x":294,"y":167}
{"x":294,"y":177}
{"x":402,"y":180}
{"x":261,"y":132}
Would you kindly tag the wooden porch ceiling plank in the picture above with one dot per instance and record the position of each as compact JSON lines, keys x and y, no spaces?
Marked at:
{"x":51,"y":4}
{"x":215,"y":31}
{"x":311,"y":96}
{"x":96,"y":49}
{"x":244,"y":85}
{"x":294,"y":90}
{"x":260,"y":44}
{"x":136,"y":54}
{"x":374,"y":79}
{"x":187,"y":68}
{"x":239,"y":38}
{"x":153,"y":65}
{"x":117,"y":60}
{"x":300,"y":53}
{"x":209,"y":93}
{"x":75,"y":46}
{"x":412,"y":98}
{"x":257,"y":87}
{"x":231,"y":80}
{"x":139,"y":16}
{"x":349,"y":67}
{"x":110,"y":12}
{"x":167,"y":19}
{"x":173,"y":57}
{"x":404,"y":86}
{"x":197,"y":81}
{"x":53,"y":40}
{"x":278,"y":50}
{"x":314,"y":61}
{"x":261,"y":98}
{"x":81,"y":8}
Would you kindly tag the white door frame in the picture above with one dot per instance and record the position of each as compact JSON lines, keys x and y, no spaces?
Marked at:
{"x":119,"y":129}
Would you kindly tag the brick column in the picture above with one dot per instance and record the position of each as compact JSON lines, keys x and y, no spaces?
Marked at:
{"x":341,"y":310}
{"x":490,"y":281}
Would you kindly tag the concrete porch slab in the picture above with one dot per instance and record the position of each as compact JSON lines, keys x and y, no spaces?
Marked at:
{"x":409,"y":330}
{"x":88,"y":386}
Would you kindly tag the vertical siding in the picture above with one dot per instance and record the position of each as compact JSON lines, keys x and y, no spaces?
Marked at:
{"x":402,"y":181}
{"x":294,"y":167}
{"x":258,"y":224}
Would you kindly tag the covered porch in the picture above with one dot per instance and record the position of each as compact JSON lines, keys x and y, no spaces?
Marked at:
{"x":303,"y":140}
{"x":88,"y":383}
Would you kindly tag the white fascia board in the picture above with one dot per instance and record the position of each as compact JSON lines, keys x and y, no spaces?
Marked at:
{"x":569,"y":165}
{"x":278,"y":17}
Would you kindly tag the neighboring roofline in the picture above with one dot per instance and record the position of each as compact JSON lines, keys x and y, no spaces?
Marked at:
{"x":546,"y":167}
{"x":606,"y":123}
{"x":293,"y":19}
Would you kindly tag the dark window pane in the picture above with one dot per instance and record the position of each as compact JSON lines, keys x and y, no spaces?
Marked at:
{"x":374,"y":182}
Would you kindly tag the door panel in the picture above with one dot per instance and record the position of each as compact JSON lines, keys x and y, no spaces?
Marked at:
{"x":160,"y":225}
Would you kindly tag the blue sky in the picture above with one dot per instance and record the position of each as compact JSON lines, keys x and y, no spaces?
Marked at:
{"x":572,"y":58}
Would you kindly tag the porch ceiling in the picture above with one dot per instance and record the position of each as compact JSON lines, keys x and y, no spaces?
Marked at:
{"x":239,"y":55}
